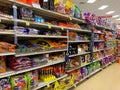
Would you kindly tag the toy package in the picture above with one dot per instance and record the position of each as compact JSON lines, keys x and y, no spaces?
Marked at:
{"x":26,"y":14}
{"x":59,"y":6}
{"x":2,"y":64}
{"x":69,"y":8}
{"x":77,"y":75}
{"x":19,"y":82}
{"x":73,"y":49}
{"x":23,"y":30}
{"x":6,"y":47}
{"x":74,"y":62}
{"x":77,"y":12}
{"x":46,"y":74}
{"x":66,"y":82}
{"x":32,"y":79}
{"x":21,"y":63}
{"x":84,"y":59}
{"x":59,"y":70}
{"x":5,"y":84}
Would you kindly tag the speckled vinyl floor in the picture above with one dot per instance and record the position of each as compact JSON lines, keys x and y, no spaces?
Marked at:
{"x":108,"y":79}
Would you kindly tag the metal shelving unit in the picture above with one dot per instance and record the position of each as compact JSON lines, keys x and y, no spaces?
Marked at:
{"x":41,"y":52}
{"x":11,"y":72}
{"x":53,"y":15}
{"x":79,"y":54}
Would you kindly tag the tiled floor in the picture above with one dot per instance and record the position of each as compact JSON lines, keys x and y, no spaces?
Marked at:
{"x":108,"y":79}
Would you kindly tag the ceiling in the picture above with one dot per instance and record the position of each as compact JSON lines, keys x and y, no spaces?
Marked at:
{"x":114,"y":5}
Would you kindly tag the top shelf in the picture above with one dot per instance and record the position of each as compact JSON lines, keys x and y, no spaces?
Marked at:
{"x":47,"y":13}
{"x":50,"y":14}
{"x":102,"y":27}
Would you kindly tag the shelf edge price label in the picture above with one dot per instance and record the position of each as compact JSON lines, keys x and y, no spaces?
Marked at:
{"x":35,"y":5}
{"x":0,"y":20}
{"x":62,"y":28}
{"x":74,"y":85}
{"x":48,"y":85}
{"x":70,"y":18}
{"x":49,"y":26}
{"x":27,"y":23}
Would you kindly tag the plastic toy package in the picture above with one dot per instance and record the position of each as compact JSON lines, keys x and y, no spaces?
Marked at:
{"x":85,"y":59}
{"x":6,"y":47}
{"x":32,"y":79}
{"x":74,"y":62}
{"x":21,"y":63}
{"x":19,"y":82}
{"x":5,"y":84}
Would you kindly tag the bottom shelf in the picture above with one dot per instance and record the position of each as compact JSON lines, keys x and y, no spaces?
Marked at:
{"x":85,"y":78}
{"x":74,"y":85}
{"x":43,"y":84}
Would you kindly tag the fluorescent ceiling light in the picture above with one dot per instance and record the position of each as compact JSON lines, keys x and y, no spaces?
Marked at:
{"x":115,"y":16}
{"x":110,"y":12}
{"x":118,"y":19}
{"x":91,"y":1}
{"x":103,"y":7}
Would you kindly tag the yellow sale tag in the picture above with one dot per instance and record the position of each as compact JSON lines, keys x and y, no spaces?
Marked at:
{"x":27,"y":23}
{"x":70,"y":18}
{"x":74,"y":85}
{"x":48,"y":85}
{"x":49,"y":26}
{"x":62,"y":28}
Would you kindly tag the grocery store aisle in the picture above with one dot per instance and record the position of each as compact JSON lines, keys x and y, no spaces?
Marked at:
{"x":108,"y":79}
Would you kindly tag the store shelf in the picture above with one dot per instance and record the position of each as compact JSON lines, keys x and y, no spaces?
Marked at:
{"x":7,"y":33}
{"x":82,"y":41}
{"x":98,"y":26}
{"x":98,"y":33}
{"x":107,"y":65}
{"x":41,"y":36}
{"x":99,"y":40}
{"x":79,"y":54}
{"x":42,"y":52}
{"x":11,"y":72}
{"x":79,"y":30}
{"x":43,"y":84}
{"x":109,"y":55}
{"x":7,"y":53}
{"x":111,"y":40}
{"x":98,"y":50}
{"x":85,"y":78}
{"x":44,"y":12}
{"x":72,"y":69}
{"x":42,"y":25}
{"x":94,"y":72}
{"x":98,"y":59}
{"x":87,"y":64}
{"x":7,"y":74}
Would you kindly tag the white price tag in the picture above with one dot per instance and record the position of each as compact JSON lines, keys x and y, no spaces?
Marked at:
{"x":36,"y":5}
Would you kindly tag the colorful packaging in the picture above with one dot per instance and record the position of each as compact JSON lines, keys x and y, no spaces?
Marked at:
{"x":5,"y":84}
{"x":2,"y":64}
{"x":59,"y":6}
{"x":19,"y":82}
{"x":77,"y":13}
{"x":32,"y":79}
